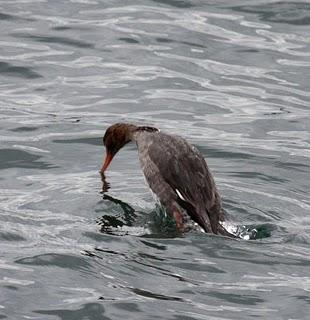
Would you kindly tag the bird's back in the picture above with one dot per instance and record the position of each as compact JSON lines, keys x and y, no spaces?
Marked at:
{"x":177,"y":171}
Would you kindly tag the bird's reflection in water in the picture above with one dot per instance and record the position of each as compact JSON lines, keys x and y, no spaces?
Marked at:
{"x":105,"y":183}
{"x":130,"y":221}
{"x":112,"y":224}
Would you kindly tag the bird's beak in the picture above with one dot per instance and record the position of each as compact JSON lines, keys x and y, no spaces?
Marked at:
{"x":106,"y":162}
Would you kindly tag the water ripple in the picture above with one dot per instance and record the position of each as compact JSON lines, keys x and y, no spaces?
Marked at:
{"x":18,"y":71}
{"x":231,"y":78}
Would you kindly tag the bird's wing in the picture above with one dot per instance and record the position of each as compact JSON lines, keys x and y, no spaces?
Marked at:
{"x":184,"y":169}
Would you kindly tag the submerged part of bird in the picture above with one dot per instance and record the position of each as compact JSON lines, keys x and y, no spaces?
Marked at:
{"x":176,"y":172}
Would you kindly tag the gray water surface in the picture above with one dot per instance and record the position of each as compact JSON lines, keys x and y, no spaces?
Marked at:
{"x":230,"y":76}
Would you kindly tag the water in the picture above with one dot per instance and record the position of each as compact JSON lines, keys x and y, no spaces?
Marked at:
{"x":230,"y":76}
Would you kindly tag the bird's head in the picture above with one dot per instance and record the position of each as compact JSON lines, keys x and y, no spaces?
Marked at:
{"x":115,"y":137}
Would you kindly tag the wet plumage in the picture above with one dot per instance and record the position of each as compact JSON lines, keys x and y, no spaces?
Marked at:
{"x":176,"y":172}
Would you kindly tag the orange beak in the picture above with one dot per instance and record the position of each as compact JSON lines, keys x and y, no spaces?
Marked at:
{"x":106,"y":163}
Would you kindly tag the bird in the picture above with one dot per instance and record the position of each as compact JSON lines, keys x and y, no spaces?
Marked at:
{"x":176,"y":172}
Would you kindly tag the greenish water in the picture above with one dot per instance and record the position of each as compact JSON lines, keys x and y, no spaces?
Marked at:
{"x":230,"y":76}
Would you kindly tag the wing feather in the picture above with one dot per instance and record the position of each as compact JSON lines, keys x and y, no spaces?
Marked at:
{"x":185,"y":170}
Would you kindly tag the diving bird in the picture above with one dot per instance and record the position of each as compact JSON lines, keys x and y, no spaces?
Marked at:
{"x":176,"y":172}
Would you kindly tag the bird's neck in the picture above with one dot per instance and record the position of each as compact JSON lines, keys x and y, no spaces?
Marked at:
{"x":147,"y":129}
{"x":142,"y":131}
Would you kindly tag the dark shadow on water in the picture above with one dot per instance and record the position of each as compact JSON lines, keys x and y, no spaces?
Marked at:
{"x":129,"y":40}
{"x":91,"y":141}
{"x":24,"y":129}
{"x":295,"y":13}
{"x":10,"y":236}
{"x":149,"y":294}
{"x":11,"y":158}
{"x":6,"y":16}
{"x":90,"y":311}
{"x":73,"y":27}
{"x":176,"y":3}
{"x":57,"y":260}
{"x":18,"y":71}
{"x":62,"y":28}
{"x":55,"y":39}
{"x":190,"y":44}
{"x":248,"y":300}
{"x":305,"y":298}
{"x":127,"y":306}
{"x":181,"y":317}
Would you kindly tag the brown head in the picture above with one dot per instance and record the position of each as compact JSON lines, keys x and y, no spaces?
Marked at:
{"x":115,"y":137}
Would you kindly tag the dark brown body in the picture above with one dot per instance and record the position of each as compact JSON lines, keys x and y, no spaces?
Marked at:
{"x":176,"y":172}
